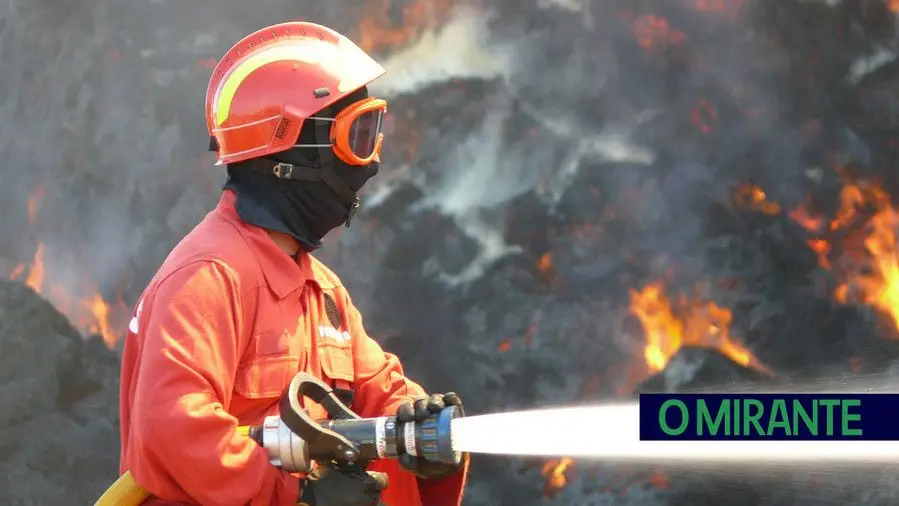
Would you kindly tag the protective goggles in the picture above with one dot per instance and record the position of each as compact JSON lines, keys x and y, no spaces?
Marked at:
{"x":356,"y":135}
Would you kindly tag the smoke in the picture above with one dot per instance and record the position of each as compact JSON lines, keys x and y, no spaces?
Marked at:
{"x":484,"y":170}
{"x":134,"y":74}
{"x":457,"y":50}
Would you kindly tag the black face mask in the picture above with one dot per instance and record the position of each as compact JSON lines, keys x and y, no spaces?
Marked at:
{"x":308,"y":208}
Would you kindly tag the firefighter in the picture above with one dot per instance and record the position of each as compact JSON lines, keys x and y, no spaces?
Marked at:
{"x":240,"y":305}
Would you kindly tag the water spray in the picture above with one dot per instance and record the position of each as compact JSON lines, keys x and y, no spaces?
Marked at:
{"x":607,"y":432}
{"x":610,"y":432}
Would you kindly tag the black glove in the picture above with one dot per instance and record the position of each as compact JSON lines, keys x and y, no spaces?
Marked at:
{"x":420,"y":410}
{"x":342,"y":486}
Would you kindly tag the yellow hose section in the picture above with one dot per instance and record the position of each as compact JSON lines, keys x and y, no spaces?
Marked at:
{"x":126,"y":492}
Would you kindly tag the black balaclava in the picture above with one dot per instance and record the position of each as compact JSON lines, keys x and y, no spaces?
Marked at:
{"x":304,"y":209}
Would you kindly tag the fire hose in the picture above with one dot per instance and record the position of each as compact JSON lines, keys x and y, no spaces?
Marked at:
{"x":610,"y":431}
{"x":294,"y":441}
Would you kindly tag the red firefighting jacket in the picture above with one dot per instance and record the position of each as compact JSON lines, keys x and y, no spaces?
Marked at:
{"x":220,"y":331}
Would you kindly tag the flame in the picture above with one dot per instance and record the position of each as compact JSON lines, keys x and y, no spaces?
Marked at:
{"x":91,"y":314}
{"x":659,"y":480}
{"x":555,"y":470}
{"x":98,"y":323}
{"x":731,"y":8}
{"x":35,"y":278}
{"x":805,"y":219}
{"x":546,"y":268}
{"x":17,"y":271}
{"x":859,"y":245}
{"x":35,"y":200}
{"x":378,"y":32}
{"x":703,"y":116}
{"x":814,"y":224}
{"x":653,"y":31}
{"x":893,"y":6}
{"x":718,"y":5}
{"x":867,"y":254}
{"x":750,"y":196}
{"x":668,"y":327}
{"x":822,"y":250}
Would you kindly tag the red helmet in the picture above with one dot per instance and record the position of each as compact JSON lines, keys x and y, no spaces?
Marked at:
{"x":273,"y":80}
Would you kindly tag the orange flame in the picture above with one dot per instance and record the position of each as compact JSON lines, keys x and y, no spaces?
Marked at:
{"x":34,"y":203}
{"x":866,"y":259}
{"x":868,"y":265}
{"x":555,"y":470}
{"x":653,"y":31}
{"x":893,"y":6}
{"x":546,"y":268}
{"x":731,"y":8}
{"x":17,"y":272}
{"x":35,"y":278}
{"x":659,"y":480}
{"x":805,"y":219}
{"x":668,"y":327}
{"x":90,"y":315}
{"x":703,"y":116}
{"x":97,"y":322}
{"x":378,"y":32}
{"x":750,"y":196}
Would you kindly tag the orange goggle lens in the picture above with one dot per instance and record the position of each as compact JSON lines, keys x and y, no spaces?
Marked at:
{"x":356,"y":133}
{"x":365,"y":133}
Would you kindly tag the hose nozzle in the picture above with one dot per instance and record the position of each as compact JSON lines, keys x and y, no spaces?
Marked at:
{"x":433,"y":438}
{"x":294,"y":440}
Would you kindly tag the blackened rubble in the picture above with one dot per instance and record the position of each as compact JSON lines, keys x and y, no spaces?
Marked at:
{"x":58,"y":426}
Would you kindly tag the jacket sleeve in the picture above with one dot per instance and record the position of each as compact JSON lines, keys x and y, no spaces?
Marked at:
{"x":192,"y":339}
{"x":381,"y":387}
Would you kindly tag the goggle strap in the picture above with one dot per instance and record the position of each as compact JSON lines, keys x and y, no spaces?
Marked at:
{"x":322,"y":134}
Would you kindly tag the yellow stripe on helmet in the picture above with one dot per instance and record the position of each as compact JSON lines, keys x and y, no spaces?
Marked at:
{"x":346,"y":60}
{"x":228,"y":88}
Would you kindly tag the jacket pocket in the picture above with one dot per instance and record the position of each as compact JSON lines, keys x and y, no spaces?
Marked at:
{"x":269,"y":344}
{"x":266,"y":376}
{"x":337,"y":361}
{"x":268,"y":366}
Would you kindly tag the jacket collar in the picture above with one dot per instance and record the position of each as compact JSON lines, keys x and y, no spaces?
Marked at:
{"x":283,"y":274}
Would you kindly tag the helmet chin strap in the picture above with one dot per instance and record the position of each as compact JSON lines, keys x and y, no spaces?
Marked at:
{"x":315,"y":174}
{"x":326,"y":161}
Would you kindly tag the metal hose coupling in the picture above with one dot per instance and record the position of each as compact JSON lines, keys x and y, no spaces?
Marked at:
{"x":386,"y":438}
{"x":294,"y":441}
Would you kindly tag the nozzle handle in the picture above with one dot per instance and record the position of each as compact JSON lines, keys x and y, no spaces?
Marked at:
{"x":323,"y":442}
